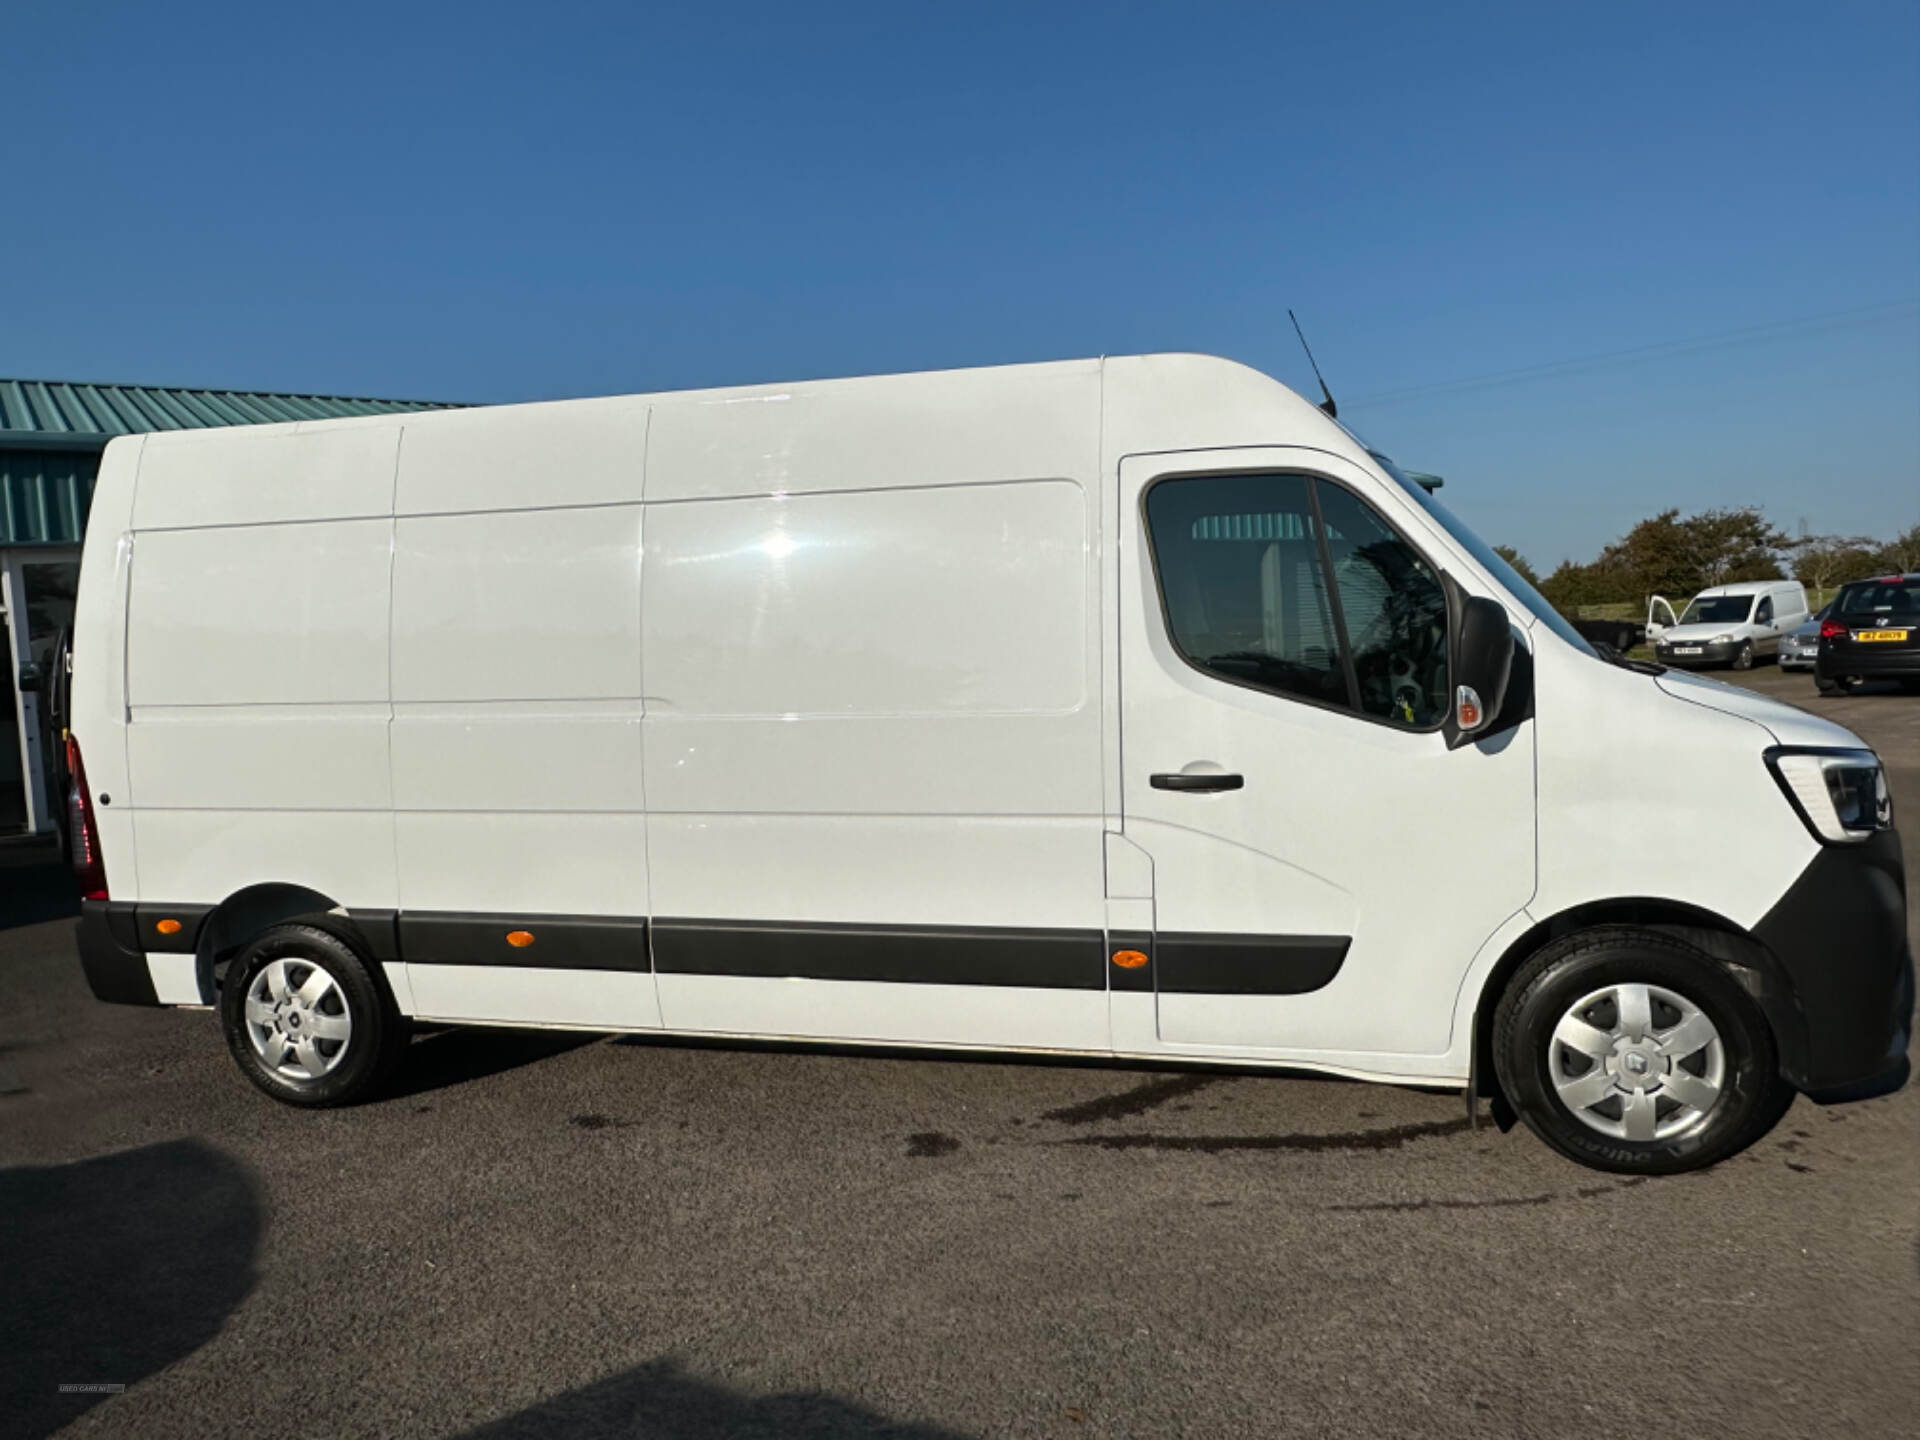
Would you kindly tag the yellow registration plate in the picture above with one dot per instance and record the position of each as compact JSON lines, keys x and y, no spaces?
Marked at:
{"x":1879,"y":634}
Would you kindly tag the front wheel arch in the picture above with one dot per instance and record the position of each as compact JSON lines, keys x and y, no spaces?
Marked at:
{"x":1549,"y":1071}
{"x":1751,"y":963}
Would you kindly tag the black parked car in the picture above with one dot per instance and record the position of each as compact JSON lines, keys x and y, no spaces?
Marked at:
{"x":1872,"y":631}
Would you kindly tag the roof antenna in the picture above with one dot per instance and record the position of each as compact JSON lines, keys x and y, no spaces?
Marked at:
{"x":1333,"y":410}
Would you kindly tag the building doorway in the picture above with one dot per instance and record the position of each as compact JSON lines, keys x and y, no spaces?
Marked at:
{"x":37,"y":589}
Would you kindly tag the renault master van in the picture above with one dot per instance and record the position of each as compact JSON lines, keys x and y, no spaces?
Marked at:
{"x":1111,"y":708}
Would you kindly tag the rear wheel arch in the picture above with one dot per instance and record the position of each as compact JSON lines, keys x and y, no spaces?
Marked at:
{"x":249,"y":913}
{"x":278,"y":1030}
{"x":1750,"y":963}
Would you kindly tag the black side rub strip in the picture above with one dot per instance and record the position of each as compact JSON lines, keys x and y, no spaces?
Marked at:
{"x":116,"y":937}
{"x":928,"y":955}
{"x":182,"y":921}
{"x":552,"y":942}
{"x":1206,"y":964}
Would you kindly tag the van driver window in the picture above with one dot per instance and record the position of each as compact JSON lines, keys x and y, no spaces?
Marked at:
{"x":1764,"y":615}
{"x":1240,"y":576}
{"x":1244,"y":583}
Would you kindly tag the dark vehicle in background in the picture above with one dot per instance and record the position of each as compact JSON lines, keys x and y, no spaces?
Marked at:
{"x":1872,"y":631}
{"x":1625,"y":635}
{"x":1622,"y":635}
{"x":1800,"y":646}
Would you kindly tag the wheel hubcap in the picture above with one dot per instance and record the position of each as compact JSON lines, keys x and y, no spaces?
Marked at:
{"x":1637,"y":1062}
{"x":298,"y":1020}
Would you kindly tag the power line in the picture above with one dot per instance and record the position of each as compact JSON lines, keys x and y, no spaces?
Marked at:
{"x":1725,"y":339}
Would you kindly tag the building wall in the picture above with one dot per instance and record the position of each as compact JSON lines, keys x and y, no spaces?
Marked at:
{"x":44,"y":495}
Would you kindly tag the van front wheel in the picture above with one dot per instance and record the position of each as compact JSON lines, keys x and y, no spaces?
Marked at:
{"x":1743,"y":657}
{"x":1631,"y":1051}
{"x":307,"y":1021}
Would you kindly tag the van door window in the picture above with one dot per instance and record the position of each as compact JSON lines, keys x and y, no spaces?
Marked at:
{"x":1764,"y":615}
{"x":1238,"y":561}
{"x":1243,"y":565}
{"x":1395,"y":613}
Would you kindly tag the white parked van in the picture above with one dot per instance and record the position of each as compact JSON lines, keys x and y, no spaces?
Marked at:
{"x":1125,"y":707}
{"x":1729,"y":624}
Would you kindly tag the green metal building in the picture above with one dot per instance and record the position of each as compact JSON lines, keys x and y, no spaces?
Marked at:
{"x":51,"y":436}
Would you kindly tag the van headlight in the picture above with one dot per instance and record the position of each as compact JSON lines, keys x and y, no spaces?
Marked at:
{"x":1841,"y":794}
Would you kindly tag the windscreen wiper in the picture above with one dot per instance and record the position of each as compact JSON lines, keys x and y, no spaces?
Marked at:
{"x":1613,"y":657}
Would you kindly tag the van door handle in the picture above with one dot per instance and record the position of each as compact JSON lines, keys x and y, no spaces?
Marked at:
{"x":1180,"y":780}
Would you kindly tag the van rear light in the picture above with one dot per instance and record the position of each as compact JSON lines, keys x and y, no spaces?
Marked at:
{"x":1831,"y":629}
{"x":88,"y":868}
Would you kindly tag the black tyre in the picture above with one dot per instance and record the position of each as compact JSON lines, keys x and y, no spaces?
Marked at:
{"x":1631,"y":1051}
{"x":307,"y":1020}
{"x":1743,"y":657}
{"x":1824,"y":685}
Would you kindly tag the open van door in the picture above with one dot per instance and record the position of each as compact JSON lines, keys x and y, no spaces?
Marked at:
{"x":1660,"y":618}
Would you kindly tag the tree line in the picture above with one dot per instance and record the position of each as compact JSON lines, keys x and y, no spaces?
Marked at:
{"x":1677,"y":556}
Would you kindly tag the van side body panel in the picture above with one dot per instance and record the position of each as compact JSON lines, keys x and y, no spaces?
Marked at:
{"x":257,"y":662}
{"x":517,"y":702}
{"x":872,"y":651}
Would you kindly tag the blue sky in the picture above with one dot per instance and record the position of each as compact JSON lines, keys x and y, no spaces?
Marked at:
{"x":490,"y":202}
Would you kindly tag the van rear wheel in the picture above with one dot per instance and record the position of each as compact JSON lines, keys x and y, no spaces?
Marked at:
{"x":307,"y":1021}
{"x":1631,"y":1051}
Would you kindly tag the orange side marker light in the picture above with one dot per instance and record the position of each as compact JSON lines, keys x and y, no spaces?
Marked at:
{"x":1129,"y":959}
{"x":519,"y":939}
{"x":167,"y":927}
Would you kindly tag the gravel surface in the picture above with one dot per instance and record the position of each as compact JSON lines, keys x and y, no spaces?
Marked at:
{"x":549,"y":1235}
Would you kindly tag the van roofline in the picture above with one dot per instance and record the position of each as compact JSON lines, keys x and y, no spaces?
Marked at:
{"x":1744,"y":587}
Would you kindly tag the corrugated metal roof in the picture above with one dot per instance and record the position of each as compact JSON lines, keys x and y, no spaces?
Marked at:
{"x":36,"y":411}
{"x":52,"y":433}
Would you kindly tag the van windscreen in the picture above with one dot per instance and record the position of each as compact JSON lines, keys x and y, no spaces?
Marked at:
{"x":1718,"y":610}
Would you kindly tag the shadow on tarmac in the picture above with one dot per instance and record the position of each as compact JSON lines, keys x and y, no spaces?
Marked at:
{"x":660,"y":1402}
{"x":115,"y":1268}
{"x":35,"y":894}
{"x":455,"y":1056}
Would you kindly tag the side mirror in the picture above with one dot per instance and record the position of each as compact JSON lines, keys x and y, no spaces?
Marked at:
{"x":1482,"y":665}
{"x":29,"y":677}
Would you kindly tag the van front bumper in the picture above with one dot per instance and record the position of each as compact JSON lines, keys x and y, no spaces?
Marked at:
{"x":1844,"y":1019}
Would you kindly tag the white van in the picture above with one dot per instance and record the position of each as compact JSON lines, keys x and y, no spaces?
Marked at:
{"x":1118,"y":708}
{"x":1729,"y":625}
